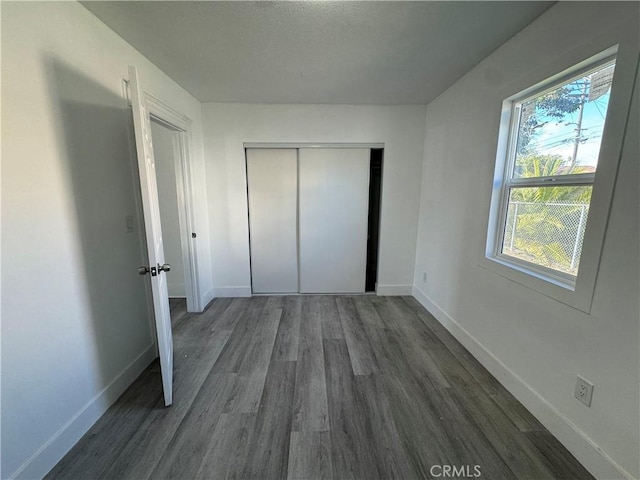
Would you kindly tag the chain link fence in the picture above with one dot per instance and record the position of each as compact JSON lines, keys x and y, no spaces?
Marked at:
{"x":547,"y":234}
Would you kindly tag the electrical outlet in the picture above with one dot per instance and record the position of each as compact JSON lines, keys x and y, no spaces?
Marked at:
{"x":129,"y":223}
{"x":584,"y":391}
{"x":424,"y":277}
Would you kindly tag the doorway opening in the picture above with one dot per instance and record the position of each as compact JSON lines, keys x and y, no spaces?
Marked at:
{"x":166,"y":151}
{"x":170,"y":131}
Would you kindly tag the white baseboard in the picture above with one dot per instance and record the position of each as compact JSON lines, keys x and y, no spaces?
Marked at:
{"x":206,"y":299}
{"x":64,"y":439}
{"x":232,"y":291}
{"x":383,"y":290}
{"x":246,"y":291}
{"x":599,"y":464}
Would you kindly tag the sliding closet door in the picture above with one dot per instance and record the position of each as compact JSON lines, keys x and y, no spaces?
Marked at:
{"x":333,"y":214}
{"x":273,"y":189}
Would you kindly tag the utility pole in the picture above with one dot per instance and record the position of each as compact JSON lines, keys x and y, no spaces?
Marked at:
{"x":576,"y":141}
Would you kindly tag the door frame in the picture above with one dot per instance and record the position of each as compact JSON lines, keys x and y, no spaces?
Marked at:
{"x":297,"y":146}
{"x":179,"y":123}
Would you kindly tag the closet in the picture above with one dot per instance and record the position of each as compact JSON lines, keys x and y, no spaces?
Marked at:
{"x":310,"y":219}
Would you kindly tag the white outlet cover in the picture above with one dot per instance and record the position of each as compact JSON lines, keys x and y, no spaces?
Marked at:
{"x":129,"y":223}
{"x":583,"y":391}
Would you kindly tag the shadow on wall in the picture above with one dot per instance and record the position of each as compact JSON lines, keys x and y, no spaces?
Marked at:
{"x":96,"y":126}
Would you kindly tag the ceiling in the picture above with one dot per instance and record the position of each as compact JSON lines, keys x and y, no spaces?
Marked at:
{"x":316,"y":52}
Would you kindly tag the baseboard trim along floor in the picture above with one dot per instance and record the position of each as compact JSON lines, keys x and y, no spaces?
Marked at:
{"x":588,"y":453}
{"x":70,"y":433}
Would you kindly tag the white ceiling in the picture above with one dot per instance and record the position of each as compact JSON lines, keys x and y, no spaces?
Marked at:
{"x":316,"y":52}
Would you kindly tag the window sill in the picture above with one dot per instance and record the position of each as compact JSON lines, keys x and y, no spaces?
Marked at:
{"x":536,"y":271}
{"x":573,"y":294}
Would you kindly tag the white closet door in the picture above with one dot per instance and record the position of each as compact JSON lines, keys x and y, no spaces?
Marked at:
{"x":333,"y":219}
{"x":273,"y":188}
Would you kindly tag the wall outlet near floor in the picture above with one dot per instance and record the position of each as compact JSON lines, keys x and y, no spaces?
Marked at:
{"x":584,"y":391}
{"x":424,"y":277}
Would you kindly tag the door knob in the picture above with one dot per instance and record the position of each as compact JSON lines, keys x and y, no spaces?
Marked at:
{"x":164,"y":268}
{"x":143,"y":270}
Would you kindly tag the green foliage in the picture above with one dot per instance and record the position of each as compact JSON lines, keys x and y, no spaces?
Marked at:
{"x":525,"y":134}
{"x":554,"y":105}
{"x":528,"y":166}
{"x":531,"y":165}
{"x":558,"y":103}
{"x":551,"y":255}
{"x":541,"y":223}
{"x":537,"y":238}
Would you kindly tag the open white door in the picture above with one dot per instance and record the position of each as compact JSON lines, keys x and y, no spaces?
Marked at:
{"x":151,"y":208}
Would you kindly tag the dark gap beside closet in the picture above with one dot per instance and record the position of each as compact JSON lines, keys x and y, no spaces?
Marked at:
{"x":375,"y":187}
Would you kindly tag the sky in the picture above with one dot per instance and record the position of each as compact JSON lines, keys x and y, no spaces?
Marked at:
{"x":556,"y":138}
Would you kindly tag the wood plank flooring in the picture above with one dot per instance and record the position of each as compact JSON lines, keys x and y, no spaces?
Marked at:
{"x":317,"y":387}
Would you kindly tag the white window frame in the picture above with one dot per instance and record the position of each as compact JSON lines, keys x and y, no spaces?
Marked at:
{"x":583,"y":179}
{"x":574,"y":291}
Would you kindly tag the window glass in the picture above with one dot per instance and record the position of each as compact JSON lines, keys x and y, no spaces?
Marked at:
{"x":557,"y":134}
{"x":564,"y":124}
{"x":546,"y":225}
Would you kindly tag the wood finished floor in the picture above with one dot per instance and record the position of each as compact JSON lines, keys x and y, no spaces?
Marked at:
{"x":311,"y":387}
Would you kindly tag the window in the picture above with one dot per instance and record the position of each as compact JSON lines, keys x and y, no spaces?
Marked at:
{"x":547,"y":171}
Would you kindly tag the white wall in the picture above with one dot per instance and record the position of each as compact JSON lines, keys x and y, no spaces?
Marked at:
{"x":533,"y":344}
{"x":227,"y":126}
{"x":164,"y":150}
{"x":75,"y":325}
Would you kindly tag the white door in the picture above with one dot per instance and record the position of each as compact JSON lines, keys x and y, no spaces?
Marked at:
{"x":333,"y":219}
{"x":272,"y":179}
{"x":156,"y":268}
